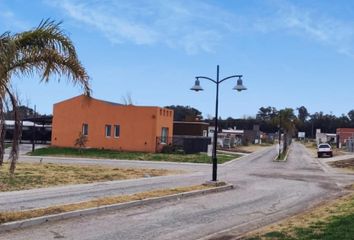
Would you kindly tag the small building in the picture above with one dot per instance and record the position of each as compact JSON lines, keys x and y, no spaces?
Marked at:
{"x":325,"y":137}
{"x":344,"y":134}
{"x":109,"y":125}
{"x":191,"y":136}
{"x":190,"y":128}
{"x":38,"y":130}
{"x":228,"y":138}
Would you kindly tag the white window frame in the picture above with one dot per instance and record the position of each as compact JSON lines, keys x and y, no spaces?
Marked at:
{"x":164,"y":137}
{"x":108,"y":126}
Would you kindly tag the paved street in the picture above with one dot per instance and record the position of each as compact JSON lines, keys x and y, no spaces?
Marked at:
{"x":265,"y":191}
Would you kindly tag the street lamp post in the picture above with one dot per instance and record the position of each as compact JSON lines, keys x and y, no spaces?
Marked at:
{"x":239,"y":87}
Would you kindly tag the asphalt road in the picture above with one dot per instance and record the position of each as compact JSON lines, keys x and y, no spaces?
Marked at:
{"x":265,"y":192}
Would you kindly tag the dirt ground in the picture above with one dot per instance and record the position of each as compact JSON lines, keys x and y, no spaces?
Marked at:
{"x":247,"y":149}
{"x":349,"y":164}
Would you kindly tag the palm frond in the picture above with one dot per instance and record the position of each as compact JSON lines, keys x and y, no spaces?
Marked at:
{"x":45,"y":50}
{"x":47,"y":35}
{"x":51,"y":63}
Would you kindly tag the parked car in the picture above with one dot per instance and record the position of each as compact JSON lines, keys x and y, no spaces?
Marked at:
{"x":324,"y":149}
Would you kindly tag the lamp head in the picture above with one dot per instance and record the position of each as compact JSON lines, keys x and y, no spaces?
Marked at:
{"x":239,"y":86}
{"x":197,"y":86}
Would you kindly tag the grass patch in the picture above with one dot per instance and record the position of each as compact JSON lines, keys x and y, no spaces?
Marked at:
{"x":282,"y":156}
{"x":15,"y":216}
{"x":111,"y":154}
{"x":331,"y":221}
{"x":36,"y":175}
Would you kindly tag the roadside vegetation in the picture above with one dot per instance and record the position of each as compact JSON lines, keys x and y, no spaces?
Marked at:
{"x":37,"y":175}
{"x":21,"y":215}
{"x":282,"y":156}
{"x":331,"y":221}
{"x":111,"y":154}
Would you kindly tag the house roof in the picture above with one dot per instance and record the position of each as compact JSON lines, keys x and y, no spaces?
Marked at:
{"x":183,"y":122}
{"x":107,"y":102}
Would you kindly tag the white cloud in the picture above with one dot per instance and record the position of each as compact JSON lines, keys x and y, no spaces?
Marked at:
{"x":192,"y":25}
{"x":312,"y":24}
{"x":115,"y":28}
{"x":197,"y":26}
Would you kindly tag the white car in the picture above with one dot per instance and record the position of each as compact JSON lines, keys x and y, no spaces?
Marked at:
{"x":324,"y":149}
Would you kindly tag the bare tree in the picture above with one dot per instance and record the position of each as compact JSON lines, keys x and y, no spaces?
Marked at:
{"x":80,"y":142}
{"x":127,"y":100}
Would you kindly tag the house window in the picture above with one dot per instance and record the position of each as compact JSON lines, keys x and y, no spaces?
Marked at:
{"x":108,"y":129}
{"x":85,"y":129}
{"x":164,"y":135}
{"x":116,"y":131}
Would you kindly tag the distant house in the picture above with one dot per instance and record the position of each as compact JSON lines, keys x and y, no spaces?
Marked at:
{"x":111,"y":125}
{"x":191,"y":136}
{"x":232,"y":137}
{"x":343,"y":134}
{"x":325,"y":137}
{"x":190,"y":128}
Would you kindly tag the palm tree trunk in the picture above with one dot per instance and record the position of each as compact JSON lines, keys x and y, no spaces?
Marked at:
{"x":17,"y":133}
{"x":2,"y":133}
{"x":285,"y":142}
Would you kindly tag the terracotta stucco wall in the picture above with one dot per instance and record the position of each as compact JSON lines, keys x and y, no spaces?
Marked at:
{"x":139,"y":126}
{"x":164,"y":117}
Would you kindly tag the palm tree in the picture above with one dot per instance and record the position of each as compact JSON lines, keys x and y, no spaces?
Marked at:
{"x":286,"y":119}
{"x":44,"y":50}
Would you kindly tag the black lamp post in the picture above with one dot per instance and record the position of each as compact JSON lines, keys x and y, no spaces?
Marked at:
{"x":239,"y":87}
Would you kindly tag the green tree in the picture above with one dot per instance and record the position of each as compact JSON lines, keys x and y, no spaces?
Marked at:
{"x":266,"y":113}
{"x":184,"y":113}
{"x":45,"y":50}
{"x":351,"y":115}
{"x":303,"y":114}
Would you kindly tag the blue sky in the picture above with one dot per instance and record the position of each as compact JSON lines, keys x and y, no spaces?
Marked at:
{"x":291,"y":53}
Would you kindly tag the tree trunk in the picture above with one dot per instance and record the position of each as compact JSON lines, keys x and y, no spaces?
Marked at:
{"x":17,"y":134}
{"x":285,"y":142}
{"x":2,"y":133}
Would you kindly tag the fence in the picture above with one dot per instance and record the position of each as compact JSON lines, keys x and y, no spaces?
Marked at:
{"x":187,"y":144}
{"x":41,"y":134}
{"x":350,"y":145}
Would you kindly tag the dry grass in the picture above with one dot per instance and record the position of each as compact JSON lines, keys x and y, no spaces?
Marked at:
{"x":15,"y":216}
{"x":319,"y":215}
{"x":36,"y":175}
{"x":251,"y":148}
{"x":344,"y":164}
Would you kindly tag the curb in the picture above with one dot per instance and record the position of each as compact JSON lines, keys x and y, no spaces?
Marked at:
{"x":90,"y":211}
{"x":107,"y":160}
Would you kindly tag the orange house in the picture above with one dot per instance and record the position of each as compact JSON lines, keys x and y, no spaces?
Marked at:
{"x":111,"y":125}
